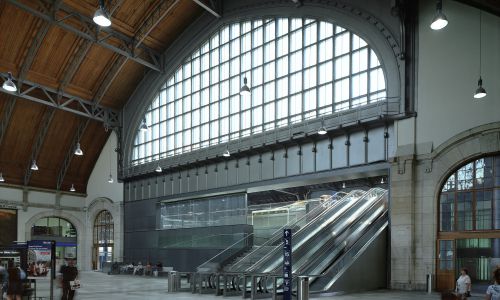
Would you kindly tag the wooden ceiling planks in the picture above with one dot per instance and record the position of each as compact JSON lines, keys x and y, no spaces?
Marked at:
{"x":173,"y":24}
{"x":18,"y":28}
{"x":124,"y":85}
{"x":91,"y":71}
{"x":19,"y":138}
{"x":57,"y":143}
{"x":50,"y":64}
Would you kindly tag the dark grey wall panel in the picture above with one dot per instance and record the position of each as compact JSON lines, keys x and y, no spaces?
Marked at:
{"x":153,"y":189}
{"x":357,"y":148}
{"x":280,"y":163}
{"x":126,"y":192}
{"x":376,"y":146}
{"x":308,"y":158}
{"x":339,"y":153}
{"x":202,"y":180}
{"x":243,"y":171}
{"x":323,"y":155}
{"x":211,"y":177}
{"x":267,"y":166}
{"x":221,"y":174}
{"x":255,"y":168}
{"x":193,"y":181}
{"x":293,"y":161}
{"x":232,"y":178}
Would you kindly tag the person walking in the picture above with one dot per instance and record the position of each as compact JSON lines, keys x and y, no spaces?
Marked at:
{"x":15,"y":289}
{"x":69,"y":273}
{"x":463,"y":284}
{"x":493,"y":291}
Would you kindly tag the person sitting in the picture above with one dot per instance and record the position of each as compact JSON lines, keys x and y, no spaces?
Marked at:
{"x":148,"y":269}
{"x":138,"y":268}
{"x":493,"y":291}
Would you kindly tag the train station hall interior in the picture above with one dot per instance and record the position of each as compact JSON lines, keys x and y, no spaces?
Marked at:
{"x":253,"y":147}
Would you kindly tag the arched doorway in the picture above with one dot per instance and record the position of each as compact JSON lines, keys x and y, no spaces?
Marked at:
{"x":103,"y":239}
{"x":60,"y":230}
{"x":469,"y":223}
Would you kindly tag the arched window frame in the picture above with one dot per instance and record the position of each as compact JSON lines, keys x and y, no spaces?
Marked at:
{"x":467,"y":197}
{"x":368,"y":24}
{"x":210,"y":111}
{"x":103,"y":224}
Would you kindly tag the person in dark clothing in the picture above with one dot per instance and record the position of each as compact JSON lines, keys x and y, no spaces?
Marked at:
{"x":68,"y":273}
{"x":15,"y":289}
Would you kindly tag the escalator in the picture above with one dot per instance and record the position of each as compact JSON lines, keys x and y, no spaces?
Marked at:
{"x":268,"y":256}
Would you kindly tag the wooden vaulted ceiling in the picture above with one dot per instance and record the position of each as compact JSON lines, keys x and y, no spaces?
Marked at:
{"x":38,"y":50}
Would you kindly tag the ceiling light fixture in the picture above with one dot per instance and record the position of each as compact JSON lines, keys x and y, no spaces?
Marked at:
{"x":144,"y":126}
{"x":34,"y":167}
{"x":245,"y":90}
{"x":158,"y":169}
{"x":1,"y":178}
{"x":72,"y":188}
{"x":322,"y":129}
{"x":226,"y":152}
{"x":480,"y":91}
{"x":110,"y":178}
{"x":343,"y":185}
{"x":8,"y":84}
{"x":382,"y":181}
{"x":101,"y":17}
{"x":440,"y":21}
{"x":78,"y":150}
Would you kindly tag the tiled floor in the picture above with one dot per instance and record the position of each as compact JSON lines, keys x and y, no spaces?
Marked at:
{"x":96,"y":285}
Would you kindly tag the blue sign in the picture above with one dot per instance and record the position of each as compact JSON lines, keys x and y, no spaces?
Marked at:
{"x":287,"y":264}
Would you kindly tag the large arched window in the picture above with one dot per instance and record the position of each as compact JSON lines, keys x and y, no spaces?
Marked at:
{"x":103,"y":239}
{"x":470,"y":197}
{"x":297,"y":69}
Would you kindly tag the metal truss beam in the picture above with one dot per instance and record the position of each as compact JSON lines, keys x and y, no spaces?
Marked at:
{"x":81,"y":52}
{"x":51,"y":97}
{"x":69,"y":155}
{"x":113,"y":71}
{"x":7,"y":113}
{"x":213,"y":10}
{"x":163,"y":8}
{"x":100,"y":36}
{"x":42,"y":132}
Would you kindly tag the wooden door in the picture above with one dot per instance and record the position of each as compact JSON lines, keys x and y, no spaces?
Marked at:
{"x":445,"y":267}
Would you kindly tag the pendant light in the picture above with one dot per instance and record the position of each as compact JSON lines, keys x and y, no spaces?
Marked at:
{"x":343,"y":185}
{"x":78,"y":150}
{"x":110,"y":178}
{"x":34,"y":167}
{"x":480,"y":91}
{"x":245,"y":90}
{"x":322,"y":129}
{"x":9,"y":84}
{"x":1,"y":178}
{"x":72,"y":188}
{"x":226,"y":152}
{"x":440,"y":21}
{"x":144,"y":126}
{"x":101,"y":17}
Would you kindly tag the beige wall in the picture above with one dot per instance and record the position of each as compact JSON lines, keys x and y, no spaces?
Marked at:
{"x":80,"y":209}
{"x":451,"y":127}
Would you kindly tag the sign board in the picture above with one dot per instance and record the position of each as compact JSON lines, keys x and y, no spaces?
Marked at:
{"x":39,"y":258}
{"x":287,"y":264}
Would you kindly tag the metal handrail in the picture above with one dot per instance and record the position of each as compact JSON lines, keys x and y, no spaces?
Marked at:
{"x":278,"y":234}
{"x":273,"y":235}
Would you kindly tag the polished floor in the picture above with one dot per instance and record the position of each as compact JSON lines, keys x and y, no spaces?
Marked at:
{"x":97,"y":285}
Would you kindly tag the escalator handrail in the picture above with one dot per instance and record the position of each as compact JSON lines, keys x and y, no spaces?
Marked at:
{"x":376,"y":205}
{"x":358,"y":248}
{"x":278,"y":248}
{"x":232,"y":246}
{"x":277,"y":235}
